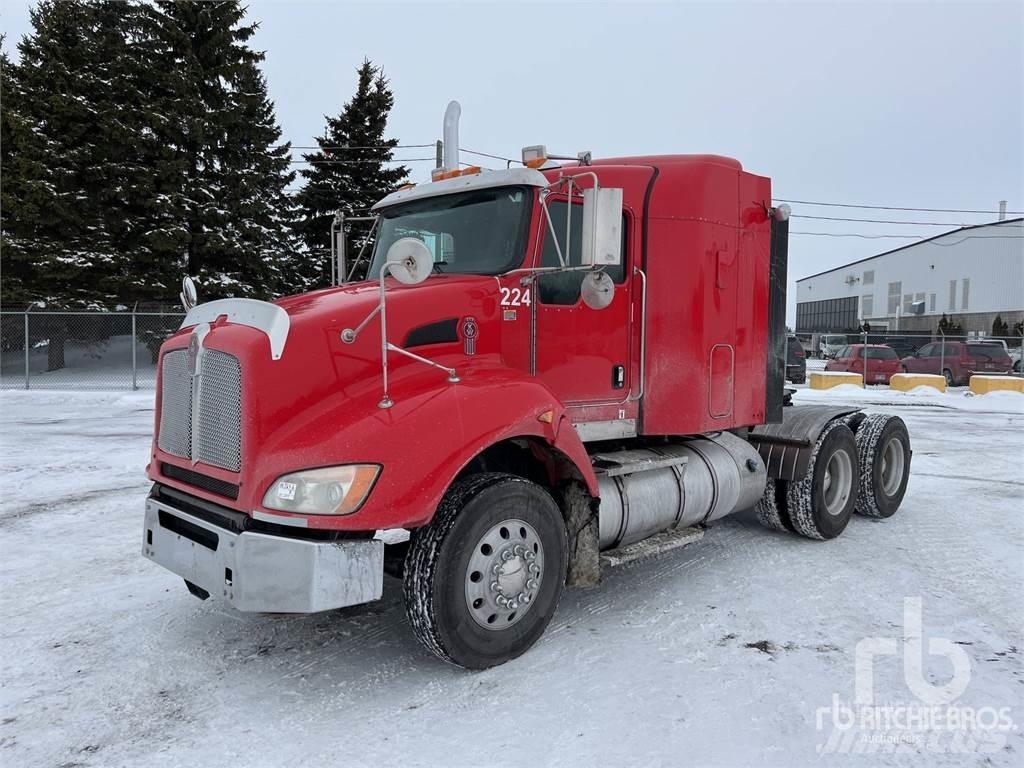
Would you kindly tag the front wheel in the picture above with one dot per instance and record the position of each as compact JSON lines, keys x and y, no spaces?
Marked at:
{"x":482,"y":580}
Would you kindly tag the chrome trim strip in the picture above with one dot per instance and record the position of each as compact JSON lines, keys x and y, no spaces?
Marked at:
{"x":261,"y":315}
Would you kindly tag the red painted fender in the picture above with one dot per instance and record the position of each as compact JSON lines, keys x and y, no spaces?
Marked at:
{"x":421,"y":443}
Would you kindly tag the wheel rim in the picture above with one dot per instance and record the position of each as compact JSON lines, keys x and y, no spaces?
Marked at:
{"x":838,"y":482}
{"x":504,"y":574}
{"x":893,"y":459}
{"x":949,"y":378}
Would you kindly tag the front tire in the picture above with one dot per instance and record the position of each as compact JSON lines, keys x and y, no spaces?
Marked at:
{"x":820,"y":505}
{"x":482,"y":580}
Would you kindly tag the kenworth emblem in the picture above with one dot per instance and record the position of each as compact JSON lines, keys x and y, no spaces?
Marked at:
{"x":193,"y":353}
{"x":469,"y":331}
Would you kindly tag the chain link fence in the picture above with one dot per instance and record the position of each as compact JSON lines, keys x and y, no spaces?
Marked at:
{"x":82,"y":350}
{"x":955,"y":356}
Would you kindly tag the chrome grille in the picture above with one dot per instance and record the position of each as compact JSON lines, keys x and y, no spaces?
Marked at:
{"x":175,"y":434}
{"x":218,"y":435}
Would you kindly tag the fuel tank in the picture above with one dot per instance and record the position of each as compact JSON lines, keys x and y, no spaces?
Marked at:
{"x":645,"y":491}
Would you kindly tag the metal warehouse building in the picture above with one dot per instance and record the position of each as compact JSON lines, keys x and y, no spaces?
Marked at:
{"x":971,"y":275}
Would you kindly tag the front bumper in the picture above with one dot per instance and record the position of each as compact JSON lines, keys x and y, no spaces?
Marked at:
{"x":261,"y":572}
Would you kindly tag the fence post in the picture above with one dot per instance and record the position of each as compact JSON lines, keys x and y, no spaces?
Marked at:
{"x":135,"y":341}
{"x":864,"y":351}
{"x":942,"y":353}
{"x":26,"y":350}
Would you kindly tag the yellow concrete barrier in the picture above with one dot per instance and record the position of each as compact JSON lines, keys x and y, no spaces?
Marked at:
{"x":904,"y":382}
{"x":829,"y":379}
{"x":981,"y":385}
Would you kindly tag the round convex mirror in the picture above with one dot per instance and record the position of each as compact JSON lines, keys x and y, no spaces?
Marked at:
{"x":410,"y":261}
{"x":597,"y":290}
{"x":189,"y":296}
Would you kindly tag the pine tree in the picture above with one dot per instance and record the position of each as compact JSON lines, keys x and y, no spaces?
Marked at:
{"x":81,"y":202}
{"x":350,"y":171}
{"x":231,"y":205}
{"x":17,"y":193}
{"x":63,"y":249}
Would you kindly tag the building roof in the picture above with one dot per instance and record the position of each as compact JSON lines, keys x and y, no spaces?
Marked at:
{"x":911,"y":245}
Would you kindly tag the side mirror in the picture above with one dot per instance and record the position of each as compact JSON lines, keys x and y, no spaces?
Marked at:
{"x":189,"y":296}
{"x":409,"y":260}
{"x":602,"y":227}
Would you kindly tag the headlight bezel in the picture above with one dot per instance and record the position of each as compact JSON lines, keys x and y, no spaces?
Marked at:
{"x":311,"y":489}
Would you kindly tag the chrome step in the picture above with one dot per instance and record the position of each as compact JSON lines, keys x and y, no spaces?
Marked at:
{"x":607,"y":464}
{"x":652,"y":547}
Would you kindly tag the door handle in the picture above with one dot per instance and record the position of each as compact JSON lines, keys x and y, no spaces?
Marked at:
{"x":618,"y":376}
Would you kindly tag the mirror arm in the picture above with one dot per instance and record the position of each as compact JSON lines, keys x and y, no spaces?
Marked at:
{"x":366,"y":242}
{"x":349,"y":335}
{"x":551,"y":227}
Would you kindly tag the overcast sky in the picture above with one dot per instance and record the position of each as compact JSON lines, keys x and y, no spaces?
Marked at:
{"x":905,"y":104}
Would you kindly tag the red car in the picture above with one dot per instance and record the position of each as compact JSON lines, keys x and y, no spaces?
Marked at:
{"x":881,"y":363}
{"x":958,"y":360}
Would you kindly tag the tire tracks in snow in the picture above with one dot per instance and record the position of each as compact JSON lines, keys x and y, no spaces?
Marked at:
{"x":29,"y":511}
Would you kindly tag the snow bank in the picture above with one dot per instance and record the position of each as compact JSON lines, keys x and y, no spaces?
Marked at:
{"x":720,"y":654}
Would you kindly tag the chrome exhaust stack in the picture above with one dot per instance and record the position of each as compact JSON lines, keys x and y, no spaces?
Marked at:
{"x":451,"y":136}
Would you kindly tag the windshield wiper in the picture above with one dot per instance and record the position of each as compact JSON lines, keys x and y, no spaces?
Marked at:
{"x":437,"y":267}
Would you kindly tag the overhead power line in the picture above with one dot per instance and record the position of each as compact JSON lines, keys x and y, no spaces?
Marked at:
{"x":363,"y":160}
{"x":850,"y":234}
{"x":488,"y":154}
{"x":881,"y":221}
{"x":910,"y":237}
{"x":890,"y":207}
{"x":341,"y":147}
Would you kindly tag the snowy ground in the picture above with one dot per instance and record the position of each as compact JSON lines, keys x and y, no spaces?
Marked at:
{"x":718,"y":654}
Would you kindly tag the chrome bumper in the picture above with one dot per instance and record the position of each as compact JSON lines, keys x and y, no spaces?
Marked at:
{"x":259,"y":572}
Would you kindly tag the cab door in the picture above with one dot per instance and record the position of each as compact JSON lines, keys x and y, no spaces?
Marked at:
{"x":583,"y":354}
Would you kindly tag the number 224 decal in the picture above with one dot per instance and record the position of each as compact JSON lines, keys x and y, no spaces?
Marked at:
{"x":513,"y":297}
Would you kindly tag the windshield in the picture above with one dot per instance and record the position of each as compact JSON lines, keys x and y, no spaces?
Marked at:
{"x":987,"y":351}
{"x":881,"y":353}
{"x":482,"y":232}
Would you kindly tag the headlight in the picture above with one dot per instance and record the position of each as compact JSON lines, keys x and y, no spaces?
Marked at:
{"x":326,"y":491}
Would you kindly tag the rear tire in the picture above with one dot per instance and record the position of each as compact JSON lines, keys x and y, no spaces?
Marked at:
{"x":772,"y":510}
{"x":482,"y":580}
{"x":820,"y":505}
{"x":948,"y":374}
{"x":883,"y":449}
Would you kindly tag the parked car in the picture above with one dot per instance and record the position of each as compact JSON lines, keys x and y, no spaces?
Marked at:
{"x":903,"y":347}
{"x":796,"y":360}
{"x":829,"y":344}
{"x":958,"y":360}
{"x":875,"y":362}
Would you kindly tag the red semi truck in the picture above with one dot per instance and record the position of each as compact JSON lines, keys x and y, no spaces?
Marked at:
{"x":550,"y":370}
